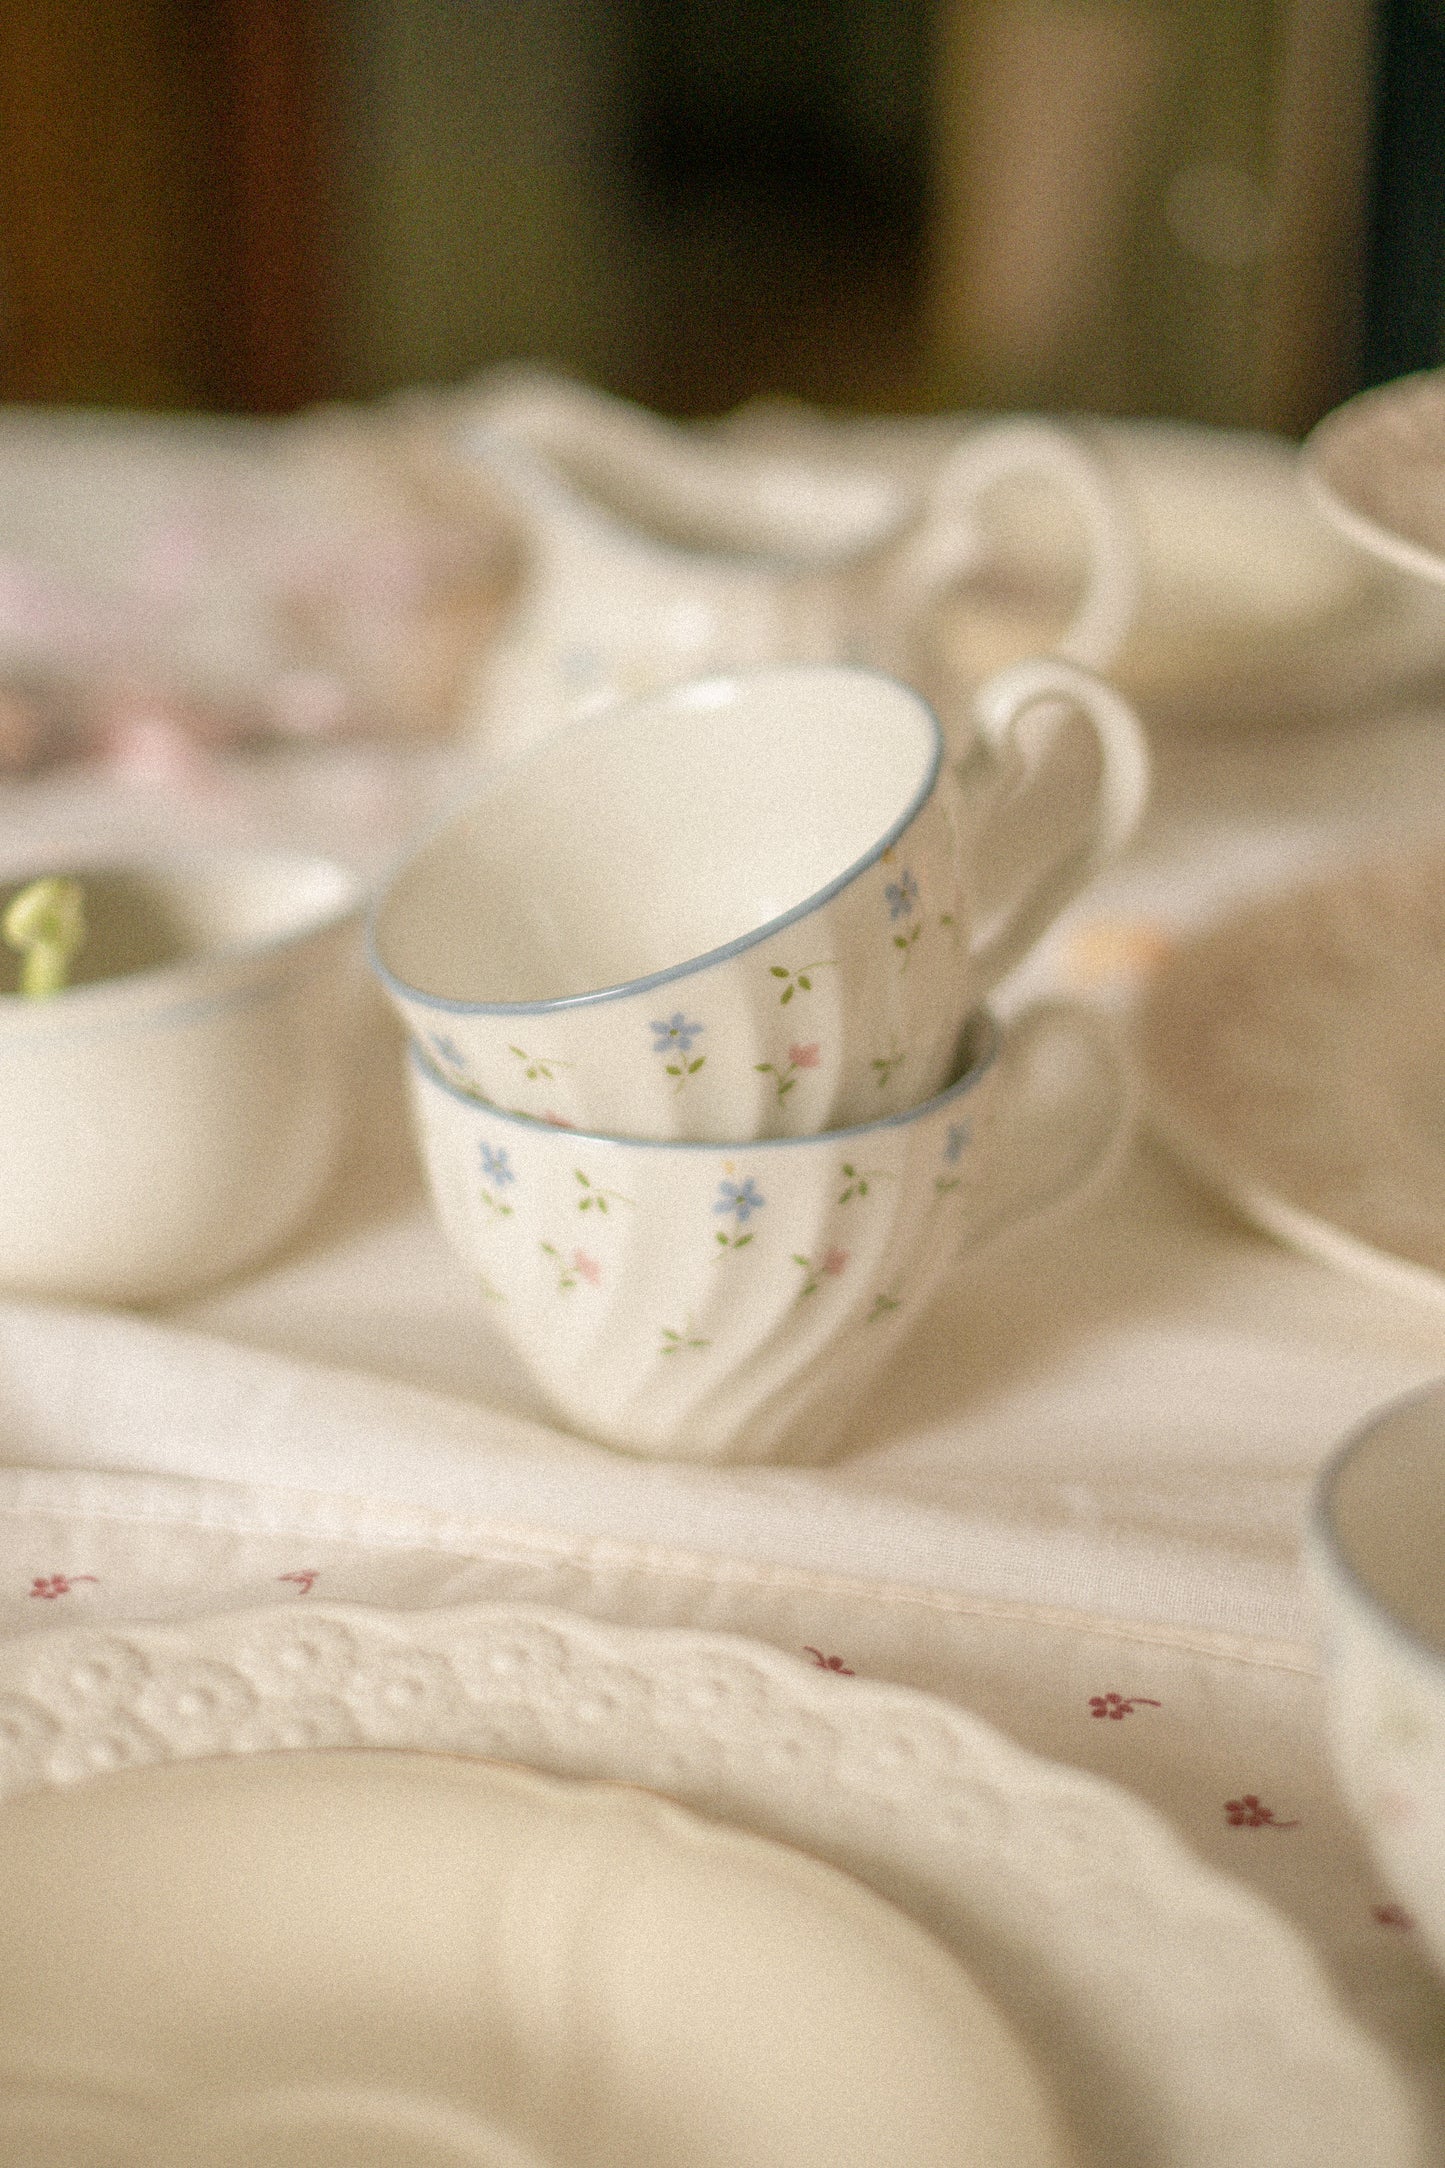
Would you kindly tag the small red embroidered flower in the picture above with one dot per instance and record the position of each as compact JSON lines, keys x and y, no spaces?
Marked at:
{"x":1119,"y":1705}
{"x":57,"y":1584}
{"x":588,"y":1267}
{"x":1247,"y":1813}
{"x":558,"y":1121}
{"x":1393,"y":1916}
{"x":805,"y":1057}
{"x":829,"y":1663}
{"x":304,"y":1580}
{"x":834,"y":1262}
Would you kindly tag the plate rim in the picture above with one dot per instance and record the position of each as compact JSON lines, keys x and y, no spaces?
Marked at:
{"x":1388,"y":544}
{"x":1012,"y":1861}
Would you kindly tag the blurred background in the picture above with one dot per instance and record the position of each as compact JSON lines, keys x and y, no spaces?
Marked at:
{"x":1222,"y":210}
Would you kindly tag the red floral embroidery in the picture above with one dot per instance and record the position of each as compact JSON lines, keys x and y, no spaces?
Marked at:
{"x":1393,"y":1916}
{"x":558,"y":1121}
{"x":588,"y":1267}
{"x":57,"y":1584}
{"x":1120,"y":1704}
{"x":829,"y":1663}
{"x":805,"y":1057}
{"x":1247,"y":1813}
{"x":305,"y":1581}
{"x":834,"y":1262}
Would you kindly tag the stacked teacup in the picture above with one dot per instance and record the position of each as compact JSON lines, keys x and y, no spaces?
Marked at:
{"x":708,"y":1097}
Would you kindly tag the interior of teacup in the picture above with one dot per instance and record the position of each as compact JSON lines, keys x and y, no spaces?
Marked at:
{"x":153,"y":916}
{"x":659,"y":833}
{"x":1382,"y":1516}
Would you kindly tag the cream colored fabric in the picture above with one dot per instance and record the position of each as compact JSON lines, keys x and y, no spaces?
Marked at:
{"x":1078,"y":1514}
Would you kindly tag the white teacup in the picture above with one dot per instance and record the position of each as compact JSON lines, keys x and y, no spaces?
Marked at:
{"x":741,"y":908}
{"x":699,"y":1301}
{"x":1377,"y":1543}
{"x":173,"y":1115}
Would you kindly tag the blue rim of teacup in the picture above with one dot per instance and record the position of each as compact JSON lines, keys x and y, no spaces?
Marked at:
{"x":979,"y":1063}
{"x":1326,"y":1542}
{"x":74,"y":1004}
{"x":687,"y":692}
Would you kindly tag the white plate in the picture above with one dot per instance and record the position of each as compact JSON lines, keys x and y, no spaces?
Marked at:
{"x":1294,"y":1055}
{"x":1180,"y":2021}
{"x":426,"y":1960}
{"x":1376,"y":468}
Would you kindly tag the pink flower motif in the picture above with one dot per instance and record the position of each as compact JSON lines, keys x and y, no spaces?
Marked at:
{"x":1119,"y":1705}
{"x":1393,"y":1916}
{"x":57,"y":1584}
{"x":588,"y":1267}
{"x":558,"y":1121}
{"x":305,"y":1580}
{"x":805,"y":1057}
{"x":829,"y":1663}
{"x":833,"y":1263}
{"x":1247,"y":1813}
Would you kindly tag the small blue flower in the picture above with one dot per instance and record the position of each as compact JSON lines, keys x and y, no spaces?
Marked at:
{"x":901,"y":895}
{"x":676,"y":1032}
{"x":740,"y":1198}
{"x":496,"y":1167}
{"x":449,"y":1051}
{"x":959,"y":1135}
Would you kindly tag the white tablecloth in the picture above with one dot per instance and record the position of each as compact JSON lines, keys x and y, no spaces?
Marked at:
{"x":1074,"y":1504}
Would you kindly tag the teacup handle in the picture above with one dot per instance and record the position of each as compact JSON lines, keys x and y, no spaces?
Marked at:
{"x":946,"y":545}
{"x":1067,"y":1104}
{"x":1006,"y":770}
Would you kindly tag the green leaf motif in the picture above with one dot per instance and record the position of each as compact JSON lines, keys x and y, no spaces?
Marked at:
{"x":677,"y":1343}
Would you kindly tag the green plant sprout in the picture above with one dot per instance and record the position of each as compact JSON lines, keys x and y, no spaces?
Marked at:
{"x":46,"y":923}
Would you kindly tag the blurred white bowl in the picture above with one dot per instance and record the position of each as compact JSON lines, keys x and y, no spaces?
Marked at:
{"x":173,"y":1115}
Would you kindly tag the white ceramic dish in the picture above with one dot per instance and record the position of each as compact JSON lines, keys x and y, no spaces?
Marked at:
{"x":724,"y":1302}
{"x":175,"y":1117}
{"x":655,"y":554}
{"x":742,"y":908}
{"x":1178,"y":2019}
{"x":1377,"y":1542}
{"x":426,"y":1961}
{"x":1376,"y":468}
{"x":1293,"y":1053}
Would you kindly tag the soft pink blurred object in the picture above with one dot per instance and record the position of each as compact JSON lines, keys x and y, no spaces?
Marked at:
{"x":177,"y":581}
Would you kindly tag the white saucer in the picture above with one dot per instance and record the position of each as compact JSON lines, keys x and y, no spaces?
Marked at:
{"x":1252,"y":608}
{"x":1294,"y":1054}
{"x":423,"y":1961}
{"x":1376,"y":467}
{"x":1178,"y":2019}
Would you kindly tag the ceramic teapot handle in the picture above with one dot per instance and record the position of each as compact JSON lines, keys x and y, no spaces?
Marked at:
{"x":1004,"y":769}
{"x":947,"y":544}
{"x":1067,"y":1104}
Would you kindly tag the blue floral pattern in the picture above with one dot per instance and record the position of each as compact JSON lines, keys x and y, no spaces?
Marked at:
{"x":901,"y":896}
{"x":675,"y":1034}
{"x":497,"y":1171}
{"x":497,"y":1165}
{"x":741,"y":1199}
{"x":737,"y":1201}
